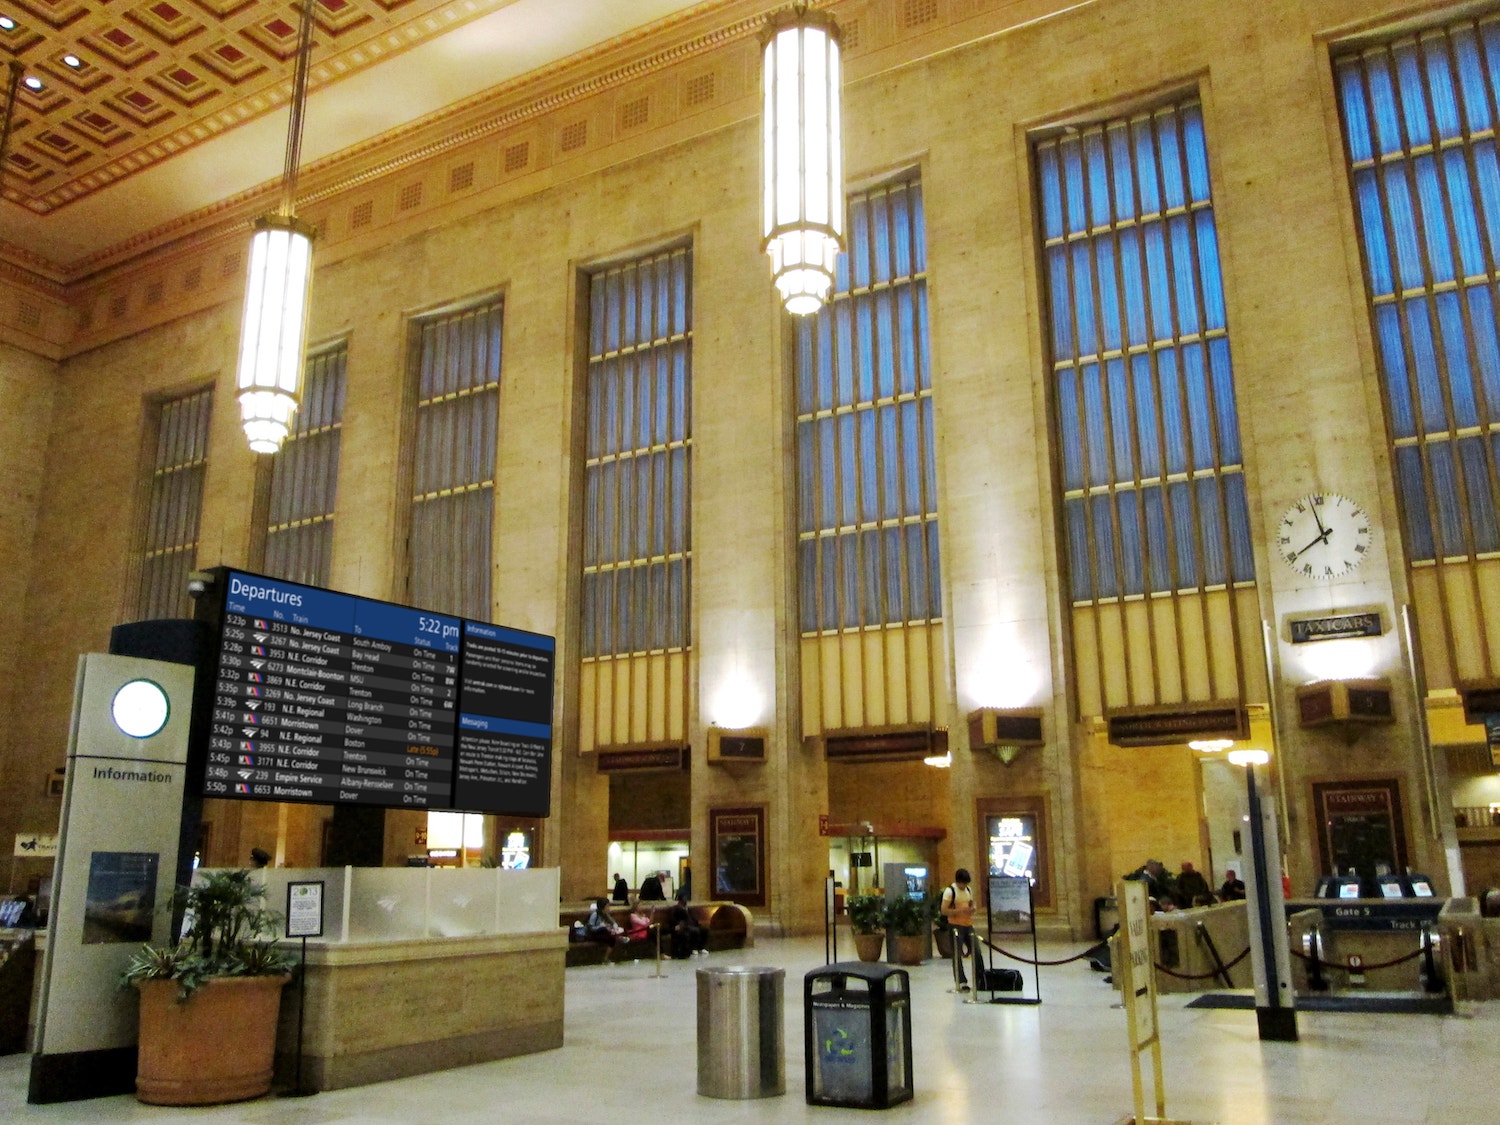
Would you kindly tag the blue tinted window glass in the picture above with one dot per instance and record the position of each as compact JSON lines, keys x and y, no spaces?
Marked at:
{"x":636,"y":492}
{"x":1242,"y":557}
{"x":1132,"y":569}
{"x":1393,"y":364}
{"x":1481,"y":524}
{"x":867,"y":463}
{"x":1474,"y":96}
{"x":1135,"y":280}
{"x":1356,"y":119}
{"x":1080,"y":576}
{"x":1377,"y":246}
{"x":1486,"y":348}
{"x":1412,"y":481}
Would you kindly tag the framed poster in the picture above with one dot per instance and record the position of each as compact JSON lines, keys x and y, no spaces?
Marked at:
{"x":737,"y":842}
{"x":1014,"y":833}
{"x":304,"y":909}
{"x":1010,"y":904}
{"x":121,"y":897}
{"x":1360,"y":827}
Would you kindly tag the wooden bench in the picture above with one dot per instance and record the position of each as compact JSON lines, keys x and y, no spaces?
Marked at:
{"x":728,"y":926}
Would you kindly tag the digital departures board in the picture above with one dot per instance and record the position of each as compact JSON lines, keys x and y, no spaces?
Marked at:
{"x":335,"y":699}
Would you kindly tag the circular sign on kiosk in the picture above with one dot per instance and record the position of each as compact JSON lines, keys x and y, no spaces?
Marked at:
{"x":140,"y":708}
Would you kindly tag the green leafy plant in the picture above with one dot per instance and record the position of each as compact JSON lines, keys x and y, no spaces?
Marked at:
{"x":228,"y":933}
{"x":932,"y":906}
{"x":906,"y":916}
{"x":866,"y":913}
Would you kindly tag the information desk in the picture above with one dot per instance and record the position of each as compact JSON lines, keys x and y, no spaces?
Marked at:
{"x":422,"y":969}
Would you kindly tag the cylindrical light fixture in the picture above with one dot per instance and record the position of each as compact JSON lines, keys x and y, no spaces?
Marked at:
{"x":802,"y":155}
{"x":274,"y":329}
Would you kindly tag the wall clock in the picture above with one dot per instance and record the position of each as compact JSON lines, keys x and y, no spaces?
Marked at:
{"x":1323,"y":535}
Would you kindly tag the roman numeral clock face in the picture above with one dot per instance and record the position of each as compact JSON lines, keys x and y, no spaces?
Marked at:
{"x":1323,"y":536}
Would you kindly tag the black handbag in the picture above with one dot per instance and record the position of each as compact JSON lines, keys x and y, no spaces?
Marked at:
{"x":995,"y":980}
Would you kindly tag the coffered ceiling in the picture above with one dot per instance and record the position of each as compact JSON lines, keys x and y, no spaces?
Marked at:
{"x":135,"y":112}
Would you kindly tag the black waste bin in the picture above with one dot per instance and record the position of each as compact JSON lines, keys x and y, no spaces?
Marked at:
{"x":857,"y":1031}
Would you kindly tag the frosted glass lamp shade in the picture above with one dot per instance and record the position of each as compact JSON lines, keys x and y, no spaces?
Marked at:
{"x":802,"y":160}
{"x":274,"y":329}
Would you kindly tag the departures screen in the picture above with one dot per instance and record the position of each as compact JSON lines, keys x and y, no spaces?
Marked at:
{"x":335,"y":699}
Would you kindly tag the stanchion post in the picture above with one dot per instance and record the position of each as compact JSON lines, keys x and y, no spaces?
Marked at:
{"x":301,"y":1015}
{"x":833,"y":898}
{"x":304,"y":919}
{"x":1036,"y":957}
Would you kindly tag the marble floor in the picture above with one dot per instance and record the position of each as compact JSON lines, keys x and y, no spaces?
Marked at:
{"x":630,"y":1057}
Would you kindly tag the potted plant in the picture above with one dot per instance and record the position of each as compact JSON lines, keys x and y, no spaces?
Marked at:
{"x":867,"y":920}
{"x":209,"y":1003}
{"x":906,"y":920}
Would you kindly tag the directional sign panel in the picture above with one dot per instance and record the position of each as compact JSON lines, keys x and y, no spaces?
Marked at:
{"x":334,"y":699}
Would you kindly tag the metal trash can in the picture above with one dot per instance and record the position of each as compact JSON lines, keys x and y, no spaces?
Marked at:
{"x":740,"y":1037}
{"x":857,"y":1022}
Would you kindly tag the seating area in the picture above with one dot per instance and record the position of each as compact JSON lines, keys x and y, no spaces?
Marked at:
{"x":728,"y":926}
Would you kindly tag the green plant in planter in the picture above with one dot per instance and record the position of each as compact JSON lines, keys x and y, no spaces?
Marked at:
{"x":866,"y":913}
{"x":932,"y":906}
{"x":906,"y":916}
{"x":228,"y":934}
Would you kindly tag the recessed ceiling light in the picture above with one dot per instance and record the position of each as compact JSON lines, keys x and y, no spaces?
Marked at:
{"x":7,"y":23}
{"x":73,"y":60}
{"x":33,"y":82}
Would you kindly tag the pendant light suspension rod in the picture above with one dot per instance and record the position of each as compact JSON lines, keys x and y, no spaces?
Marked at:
{"x":299,"y":107}
{"x":12,"y":87}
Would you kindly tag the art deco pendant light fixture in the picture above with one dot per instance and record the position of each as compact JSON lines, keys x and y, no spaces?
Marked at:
{"x":274,"y":327}
{"x":802,"y":154}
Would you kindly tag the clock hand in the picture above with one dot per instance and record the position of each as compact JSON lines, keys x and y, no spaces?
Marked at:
{"x":1319,"y":539}
{"x":1318,"y":520}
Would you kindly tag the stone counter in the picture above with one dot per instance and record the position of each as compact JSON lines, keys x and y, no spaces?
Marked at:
{"x":388,"y":1009}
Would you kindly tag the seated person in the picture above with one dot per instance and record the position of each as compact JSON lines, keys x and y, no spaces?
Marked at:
{"x":651,"y":889}
{"x":601,"y":927}
{"x":688,"y":938}
{"x":639,"y":927}
{"x":1191,"y":886}
{"x":1233,"y":888}
{"x":1154,"y":875}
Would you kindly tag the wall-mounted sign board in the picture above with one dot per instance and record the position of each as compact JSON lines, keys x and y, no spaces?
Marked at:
{"x":1309,"y":629}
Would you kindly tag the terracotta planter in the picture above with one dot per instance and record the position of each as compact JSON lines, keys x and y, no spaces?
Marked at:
{"x":911,"y":949}
{"x":217,"y":1047}
{"x":869,"y":946}
{"x":942,"y":940}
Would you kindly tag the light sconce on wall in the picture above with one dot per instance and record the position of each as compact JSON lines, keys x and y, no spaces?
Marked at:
{"x":802,"y":154}
{"x":744,"y":745}
{"x":274,"y":326}
{"x":1210,"y":745}
{"x":1350,"y":704}
{"x":1005,"y":731}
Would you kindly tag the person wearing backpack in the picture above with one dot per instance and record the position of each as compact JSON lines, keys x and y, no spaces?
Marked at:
{"x":957,"y":907}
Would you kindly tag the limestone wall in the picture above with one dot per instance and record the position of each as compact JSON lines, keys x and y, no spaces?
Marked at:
{"x":1310,"y":418}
